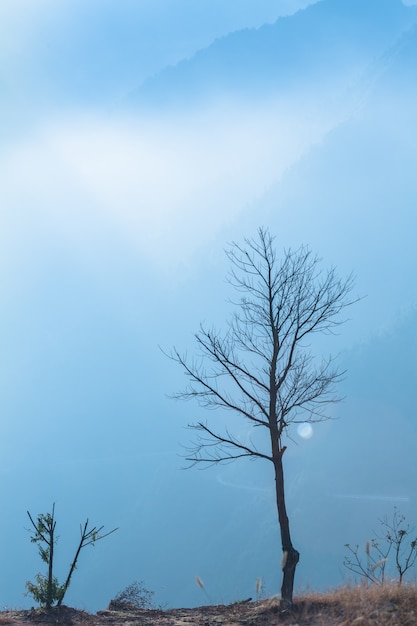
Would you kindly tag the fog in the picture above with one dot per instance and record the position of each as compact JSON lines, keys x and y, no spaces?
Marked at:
{"x":128,"y":164}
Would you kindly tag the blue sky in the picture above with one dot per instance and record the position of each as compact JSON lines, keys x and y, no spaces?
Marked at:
{"x":113,"y":226}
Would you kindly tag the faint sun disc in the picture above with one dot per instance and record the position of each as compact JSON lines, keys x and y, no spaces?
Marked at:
{"x":305,"y":431}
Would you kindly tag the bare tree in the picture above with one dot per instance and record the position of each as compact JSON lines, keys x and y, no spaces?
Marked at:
{"x":261,"y":368}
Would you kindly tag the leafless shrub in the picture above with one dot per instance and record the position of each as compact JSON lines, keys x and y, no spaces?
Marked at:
{"x":392,"y":545}
{"x":134,"y":596}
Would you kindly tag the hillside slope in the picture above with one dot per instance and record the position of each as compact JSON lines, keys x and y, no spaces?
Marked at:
{"x":332,"y":39}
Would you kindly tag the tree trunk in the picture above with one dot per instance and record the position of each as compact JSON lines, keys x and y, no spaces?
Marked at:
{"x":49,"y":593}
{"x":73,"y":566}
{"x":290,"y":556}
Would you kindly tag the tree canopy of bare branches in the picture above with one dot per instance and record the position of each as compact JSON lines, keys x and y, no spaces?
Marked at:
{"x":261,"y":366}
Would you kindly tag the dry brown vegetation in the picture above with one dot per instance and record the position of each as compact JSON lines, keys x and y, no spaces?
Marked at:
{"x":360,"y":606}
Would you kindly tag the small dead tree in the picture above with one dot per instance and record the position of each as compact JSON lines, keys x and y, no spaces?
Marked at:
{"x":261,"y":368}
{"x":398,"y":540}
{"x":88,"y":537}
{"x":47,"y":590}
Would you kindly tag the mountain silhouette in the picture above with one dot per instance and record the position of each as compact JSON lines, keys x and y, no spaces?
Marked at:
{"x":332,"y":38}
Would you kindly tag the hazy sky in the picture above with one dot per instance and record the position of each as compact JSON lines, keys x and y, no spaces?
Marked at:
{"x":66,"y":65}
{"x":74,"y":52}
{"x":113,"y":227}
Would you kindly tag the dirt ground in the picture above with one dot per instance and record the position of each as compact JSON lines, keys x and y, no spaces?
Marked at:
{"x":240,"y":613}
{"x":359,"y":606}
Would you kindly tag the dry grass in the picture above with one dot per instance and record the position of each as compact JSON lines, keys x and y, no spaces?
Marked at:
{"x":364,"y":606}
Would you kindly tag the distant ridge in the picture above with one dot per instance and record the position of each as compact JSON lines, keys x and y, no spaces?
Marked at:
{"x":330,"y":38}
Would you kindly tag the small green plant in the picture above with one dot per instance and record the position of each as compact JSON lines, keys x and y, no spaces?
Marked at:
{"x":392,"y":545}
{"x":47,"y":590}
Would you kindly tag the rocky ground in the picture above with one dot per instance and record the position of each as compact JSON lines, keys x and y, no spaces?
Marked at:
{"x":239,"y":613}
